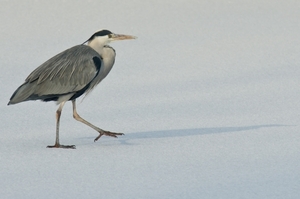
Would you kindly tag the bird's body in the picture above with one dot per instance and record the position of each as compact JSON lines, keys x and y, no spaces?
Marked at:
{"x":71,"y":73}
{"x":66,"y":76}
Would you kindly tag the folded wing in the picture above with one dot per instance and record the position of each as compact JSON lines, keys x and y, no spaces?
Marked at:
{"x":62,"y":77}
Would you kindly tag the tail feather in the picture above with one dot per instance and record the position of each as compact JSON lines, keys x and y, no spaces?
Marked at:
{"x":23,"y":93}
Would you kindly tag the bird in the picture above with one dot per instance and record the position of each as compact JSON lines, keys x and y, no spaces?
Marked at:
{"x":70,"y":74}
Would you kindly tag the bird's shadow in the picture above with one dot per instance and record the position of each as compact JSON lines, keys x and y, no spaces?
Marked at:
{"x":125,"y":140}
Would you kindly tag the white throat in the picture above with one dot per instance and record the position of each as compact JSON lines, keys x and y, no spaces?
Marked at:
{"x":98,"y":43}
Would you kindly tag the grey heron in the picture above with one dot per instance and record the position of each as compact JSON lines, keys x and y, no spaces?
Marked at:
{"x":69,"y":74}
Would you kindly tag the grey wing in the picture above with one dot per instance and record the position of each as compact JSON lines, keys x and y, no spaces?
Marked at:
{"x":64,"y":74}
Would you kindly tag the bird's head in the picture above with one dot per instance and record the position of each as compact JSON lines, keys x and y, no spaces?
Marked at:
{"x":103,"y":37}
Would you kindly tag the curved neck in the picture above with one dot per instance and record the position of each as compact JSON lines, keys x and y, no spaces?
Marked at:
{"x":108,"y":57}
{"x":96,"y":45}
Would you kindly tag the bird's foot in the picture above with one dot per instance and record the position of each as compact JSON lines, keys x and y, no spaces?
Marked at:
{"x":62,"y":146}
{"x":107,"y":133}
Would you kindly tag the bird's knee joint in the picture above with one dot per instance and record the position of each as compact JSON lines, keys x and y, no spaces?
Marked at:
{"x":58,"y":112}
{"x":76,"y":116}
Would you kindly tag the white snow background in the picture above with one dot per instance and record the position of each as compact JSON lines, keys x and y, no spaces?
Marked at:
{"x":207,"y":96}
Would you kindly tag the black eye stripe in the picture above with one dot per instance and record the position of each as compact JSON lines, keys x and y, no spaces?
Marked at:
{"x":102,"y":33}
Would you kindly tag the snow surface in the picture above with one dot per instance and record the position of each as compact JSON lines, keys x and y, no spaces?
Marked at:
{"x":208,"y":97}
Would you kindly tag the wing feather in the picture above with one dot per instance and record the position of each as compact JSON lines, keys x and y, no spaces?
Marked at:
{"x":67,"y":72}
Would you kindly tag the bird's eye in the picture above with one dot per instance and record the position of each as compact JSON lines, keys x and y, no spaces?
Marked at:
{"x":110,"y":36}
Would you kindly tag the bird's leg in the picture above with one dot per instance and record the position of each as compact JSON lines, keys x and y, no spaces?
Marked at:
{"x":57,"y":144}
{"x":101,"y":131}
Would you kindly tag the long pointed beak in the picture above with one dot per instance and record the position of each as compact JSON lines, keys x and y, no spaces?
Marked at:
{"x":121,"y":37}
